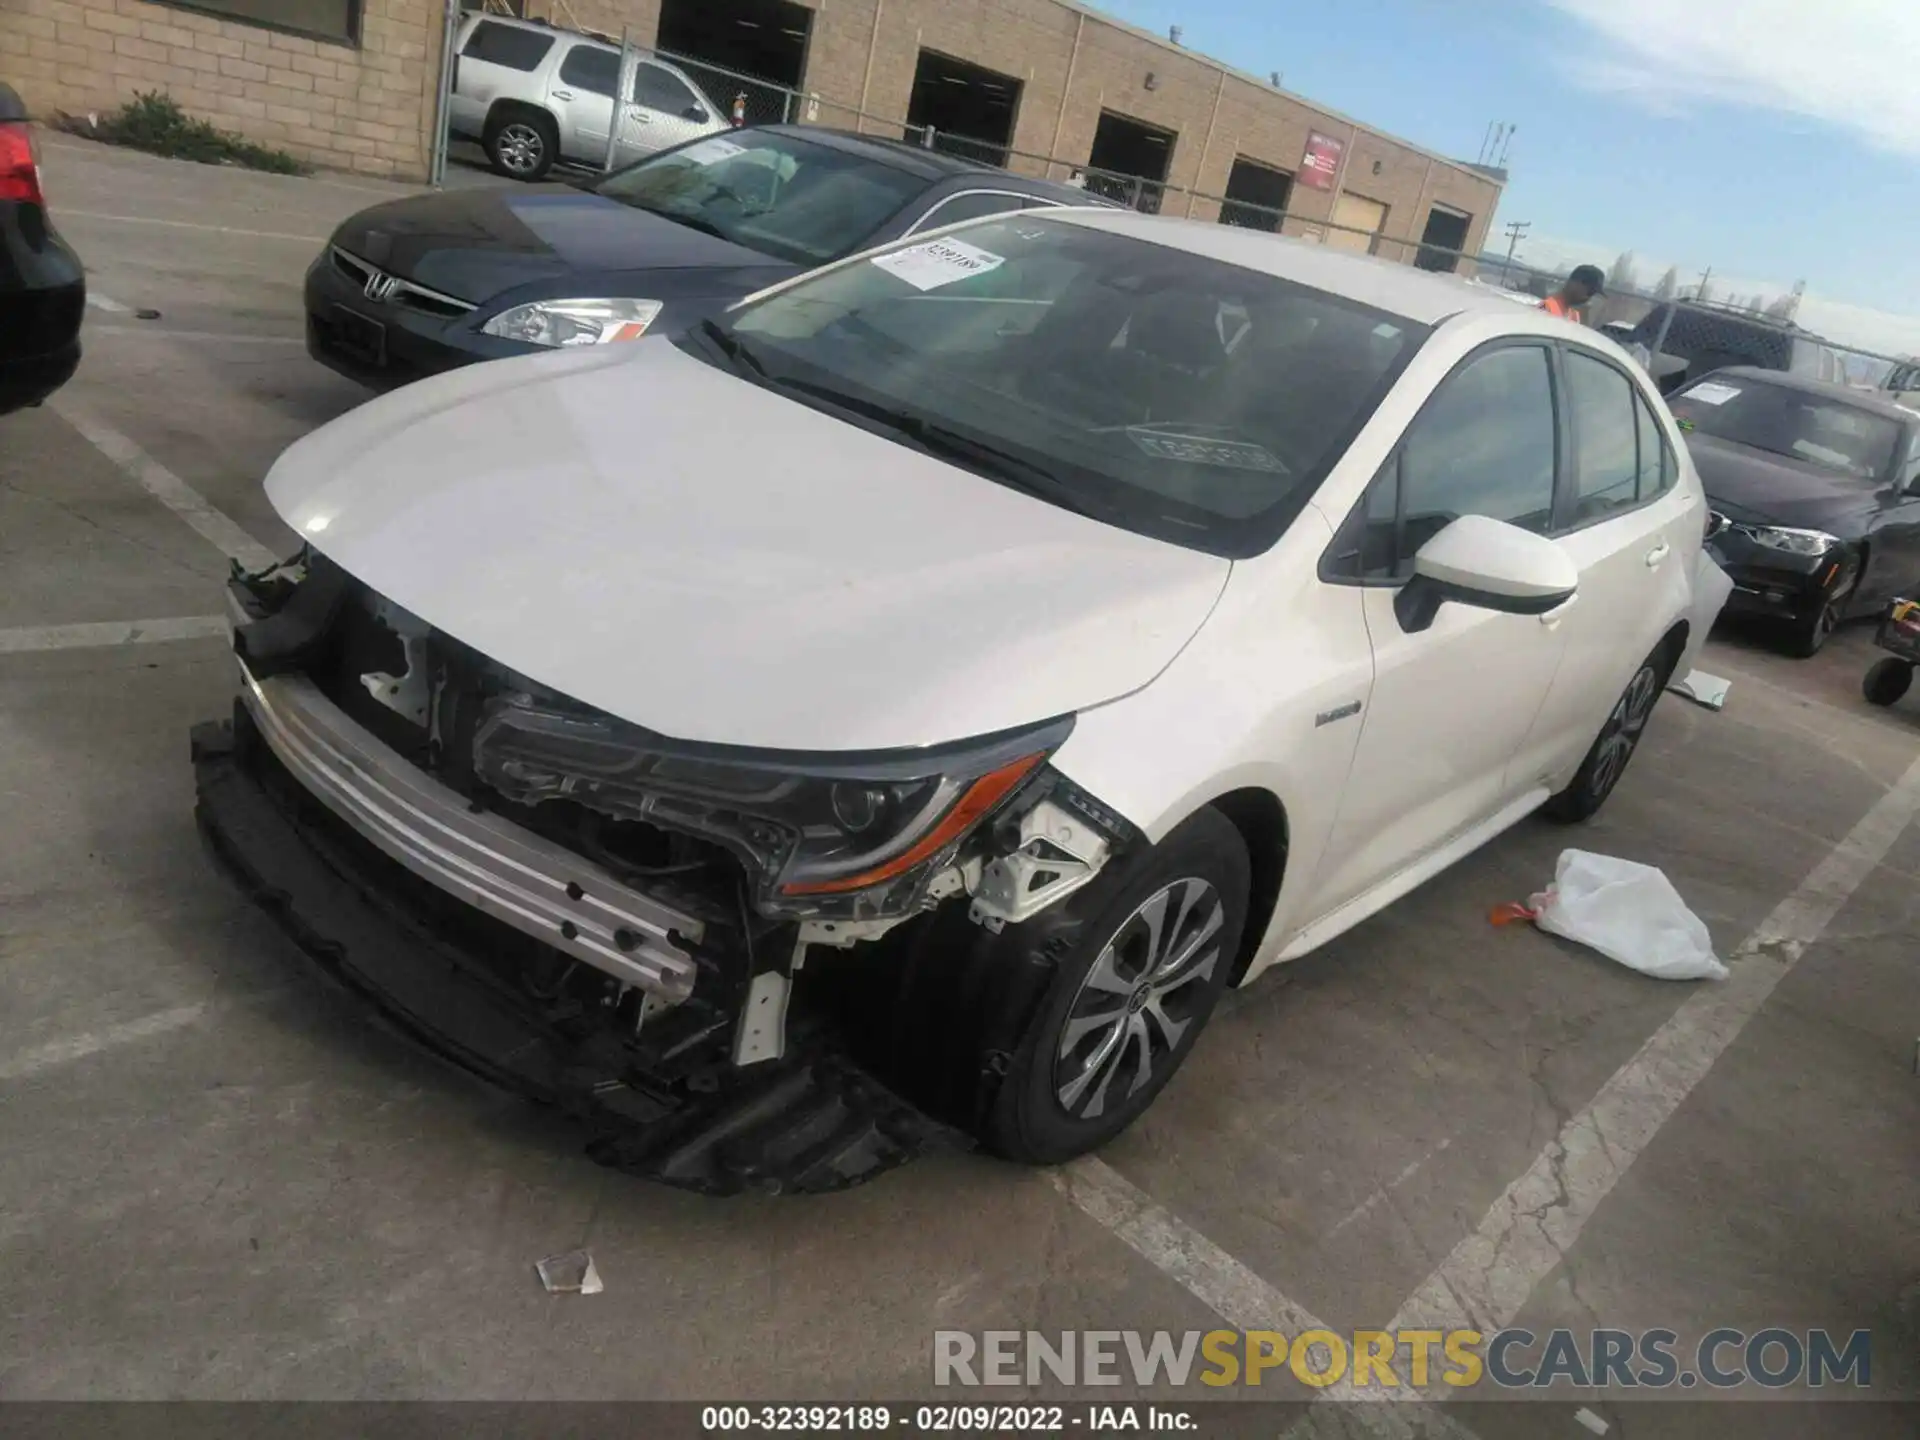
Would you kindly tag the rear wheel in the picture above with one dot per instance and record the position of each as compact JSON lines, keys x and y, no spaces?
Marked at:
{"x":1886,"y":681}
{"x":522,"y":144}
{"x":1809,"y":634}
{"x":1607,"y":760}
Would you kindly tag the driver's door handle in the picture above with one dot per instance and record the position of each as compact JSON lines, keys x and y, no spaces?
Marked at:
{"x":1657,"y":554}
{"x":563,"y":94}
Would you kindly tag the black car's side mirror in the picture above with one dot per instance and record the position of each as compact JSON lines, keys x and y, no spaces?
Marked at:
{"x":695,"y":113}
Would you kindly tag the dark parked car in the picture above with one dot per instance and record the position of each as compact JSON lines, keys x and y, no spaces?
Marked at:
{"x":1816,"y":490}
{"x":1703,"y":337}
{"x":43,"y":292}
{"x":422,"y":285}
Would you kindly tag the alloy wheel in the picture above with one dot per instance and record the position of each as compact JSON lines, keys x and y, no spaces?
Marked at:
{"x":1623,"y":727}
{"x":1139,"y":998}
{"x":520,"y":147}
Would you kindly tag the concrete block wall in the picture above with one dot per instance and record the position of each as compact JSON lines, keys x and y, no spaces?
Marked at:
{"x":365,"y":107}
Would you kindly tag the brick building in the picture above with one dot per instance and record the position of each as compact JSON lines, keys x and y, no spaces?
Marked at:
{"x":1048,"y":85}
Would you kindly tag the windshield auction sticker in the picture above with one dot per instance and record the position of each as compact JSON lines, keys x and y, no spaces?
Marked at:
{"x":1712,"y":392}
{"x":712,"y":151}
{"x":938,"y":263}
{"x":1202,"y":450}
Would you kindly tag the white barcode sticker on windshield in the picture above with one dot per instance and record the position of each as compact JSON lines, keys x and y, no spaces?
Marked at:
{"x":1712,"y":392}
{"x":712,"y":151}
{"x":938,"y":262}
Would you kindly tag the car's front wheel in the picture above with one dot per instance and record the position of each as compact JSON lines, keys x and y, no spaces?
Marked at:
{"x":1809,"y":634}
{"x":1606,"y":760}
{"x":1128,"y":1000}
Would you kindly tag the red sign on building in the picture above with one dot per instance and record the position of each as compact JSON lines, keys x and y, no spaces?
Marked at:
{"x":1320,"y":166}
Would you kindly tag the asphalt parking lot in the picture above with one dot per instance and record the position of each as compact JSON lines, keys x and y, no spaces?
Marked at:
{"x":221,"y":1182}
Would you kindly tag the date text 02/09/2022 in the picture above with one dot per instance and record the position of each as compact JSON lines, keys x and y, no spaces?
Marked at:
{"x":945,"y":1419}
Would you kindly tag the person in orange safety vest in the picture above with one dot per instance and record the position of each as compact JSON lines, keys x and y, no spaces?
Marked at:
{"x":1584,"y":284}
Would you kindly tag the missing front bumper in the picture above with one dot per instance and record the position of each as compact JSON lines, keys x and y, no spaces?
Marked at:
{"x":812,"y":1122}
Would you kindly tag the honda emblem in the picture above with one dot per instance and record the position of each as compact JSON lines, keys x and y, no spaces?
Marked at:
{"x":379,"y":288}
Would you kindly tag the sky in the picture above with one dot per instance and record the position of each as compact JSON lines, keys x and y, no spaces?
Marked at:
{"x":1773,"y":140}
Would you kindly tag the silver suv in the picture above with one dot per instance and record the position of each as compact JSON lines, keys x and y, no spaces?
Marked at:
{"x":533,"y":95}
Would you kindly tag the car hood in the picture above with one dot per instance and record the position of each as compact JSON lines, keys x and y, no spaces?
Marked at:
{"x":703,"y":557}
{"x":1756,"y":487}
{"x":478,"y":244}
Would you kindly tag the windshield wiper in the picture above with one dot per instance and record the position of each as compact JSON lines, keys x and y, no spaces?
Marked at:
{"x":980,"y":456}
{"x":733,"y":347}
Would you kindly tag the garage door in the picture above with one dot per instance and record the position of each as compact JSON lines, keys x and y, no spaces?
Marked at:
{"x":1363,"y":215}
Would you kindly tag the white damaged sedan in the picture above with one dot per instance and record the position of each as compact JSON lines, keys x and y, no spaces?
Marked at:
{"x":901,"y":708}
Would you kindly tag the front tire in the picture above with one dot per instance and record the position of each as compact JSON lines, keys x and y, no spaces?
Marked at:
{"x":1606,"y":761}
{"x":1809,"y":635}
{"x":1129,"y":999}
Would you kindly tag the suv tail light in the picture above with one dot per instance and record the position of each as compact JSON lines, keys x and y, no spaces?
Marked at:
{"x":19,"y":167}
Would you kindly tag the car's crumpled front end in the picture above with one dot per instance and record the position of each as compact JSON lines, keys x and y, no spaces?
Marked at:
{"x":614,"y":923}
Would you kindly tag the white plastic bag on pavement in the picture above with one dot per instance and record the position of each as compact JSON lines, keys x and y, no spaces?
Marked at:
{"x":1628,"y":912}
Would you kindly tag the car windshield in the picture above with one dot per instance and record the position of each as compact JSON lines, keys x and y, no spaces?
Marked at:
{"x":776,"y":193}
{"x":1825,"y":432}
{"x":1159,"y":390}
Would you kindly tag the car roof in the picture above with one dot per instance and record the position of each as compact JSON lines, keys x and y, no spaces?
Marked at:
{"x":1422,"y":296}
{"x":1868,"y":400}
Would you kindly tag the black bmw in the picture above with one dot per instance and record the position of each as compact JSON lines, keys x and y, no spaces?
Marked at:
{"x":422,"y":285}
{"x":43,"y":291}
{"x":1816,"y":490}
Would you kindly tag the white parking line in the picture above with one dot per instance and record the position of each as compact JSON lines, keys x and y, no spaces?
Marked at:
{"x":30,"y":639}
{"x":66,"y":214}
{"x":1489,"y":1276}
{"x":165,"y":486}
{"x":106,"y":303}
{"x":1233,"y":1292}
{"x":78,"y":1047}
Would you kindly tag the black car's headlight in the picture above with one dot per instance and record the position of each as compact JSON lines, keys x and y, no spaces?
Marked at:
{"x":822,"y":836}
{"x":1789,"y":539}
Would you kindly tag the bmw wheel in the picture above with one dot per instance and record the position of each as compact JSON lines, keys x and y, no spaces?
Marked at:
{"x":1127,"y":1003}
{"x":1810,"y":633}
{"x":1613,"y":747}
{"x":522,"y":147}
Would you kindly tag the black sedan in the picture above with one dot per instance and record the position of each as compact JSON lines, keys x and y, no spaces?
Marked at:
{"x":1816,"y":492}
{"x":43,"y":292}
{"x":422,"y":285}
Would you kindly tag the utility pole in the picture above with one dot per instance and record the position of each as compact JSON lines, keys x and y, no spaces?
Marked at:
{"x":1705,"y":276}
{"x":1516,"y":232}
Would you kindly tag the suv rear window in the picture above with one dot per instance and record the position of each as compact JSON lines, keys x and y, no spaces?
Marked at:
{"x":507,"y":45}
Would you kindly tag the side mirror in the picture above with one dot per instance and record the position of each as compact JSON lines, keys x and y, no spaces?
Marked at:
{"x":1490,"y":565}
{"x":695,"y":113}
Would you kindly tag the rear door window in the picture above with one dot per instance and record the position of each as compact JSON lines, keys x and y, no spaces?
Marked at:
{"x":589,"y":68}
{"x":1606,"y":441}
{"x":661,"y":90}
{"x":507,"y":45}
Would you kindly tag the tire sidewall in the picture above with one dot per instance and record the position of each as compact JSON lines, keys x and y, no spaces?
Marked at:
{"x":1027,"y":1122}
{"x":1578,"y":802}
{"x":549,"y":138}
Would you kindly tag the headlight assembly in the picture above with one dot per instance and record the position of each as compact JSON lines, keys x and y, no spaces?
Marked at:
{"x":1794,"y":542}
{"x":574,"y":322}
{"x":821,"y":836}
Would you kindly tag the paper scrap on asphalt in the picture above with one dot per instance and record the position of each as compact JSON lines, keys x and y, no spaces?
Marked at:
{"x":1702,"y":689}
{"x":938,"y":263}
{"x":1712,"y":392}
{"x":1591,"y":1421}
{"x":570,"y":1274}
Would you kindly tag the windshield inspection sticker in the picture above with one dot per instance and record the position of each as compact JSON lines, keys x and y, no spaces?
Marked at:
{"x":1711,"y":393}
{"x":938,"y":262}
{"x":1199,"y":450}
{"x":713,"y":151}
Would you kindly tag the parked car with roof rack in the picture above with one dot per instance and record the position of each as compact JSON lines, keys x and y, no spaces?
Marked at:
{"x":421,"y":285}
{"x":534,"y":95}
{"x":1702,"y":337}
